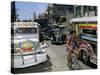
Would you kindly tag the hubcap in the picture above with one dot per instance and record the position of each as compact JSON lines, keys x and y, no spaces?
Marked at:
{"x":84,"y":57}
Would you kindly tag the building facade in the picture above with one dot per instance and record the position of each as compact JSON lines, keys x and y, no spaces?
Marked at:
{"x":59,"y":11}
{"x":82,"y":11}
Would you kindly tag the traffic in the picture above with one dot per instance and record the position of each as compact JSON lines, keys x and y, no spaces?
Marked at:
{"x":29,"y":46}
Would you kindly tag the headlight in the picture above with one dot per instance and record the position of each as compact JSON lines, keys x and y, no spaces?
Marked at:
{"x":51,"y":38}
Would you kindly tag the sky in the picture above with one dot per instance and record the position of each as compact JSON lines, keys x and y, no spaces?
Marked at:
{"x":26,"y":9}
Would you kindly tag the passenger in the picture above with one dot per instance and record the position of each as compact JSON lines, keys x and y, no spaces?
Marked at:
{"x":43,"y":44}
{"x":72,"y":44}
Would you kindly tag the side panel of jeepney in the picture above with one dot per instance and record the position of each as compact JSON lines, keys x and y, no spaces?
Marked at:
{"x":89,"y":33}
{"x":79,"y":26}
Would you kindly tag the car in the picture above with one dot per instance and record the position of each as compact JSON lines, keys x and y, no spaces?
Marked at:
{"x":57,"y":36}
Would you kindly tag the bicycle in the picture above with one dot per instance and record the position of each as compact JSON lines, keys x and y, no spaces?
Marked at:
{"x":73,"y":63}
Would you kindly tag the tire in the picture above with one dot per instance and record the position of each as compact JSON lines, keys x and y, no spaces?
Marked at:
{"x":84,"y":57}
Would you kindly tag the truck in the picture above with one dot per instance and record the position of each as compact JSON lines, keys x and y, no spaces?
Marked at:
{"x":26,"y":49}
{"x":86,"y":29}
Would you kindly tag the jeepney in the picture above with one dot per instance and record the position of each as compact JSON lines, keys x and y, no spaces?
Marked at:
{"x":26,"y":50}
{"x":86,"y":29}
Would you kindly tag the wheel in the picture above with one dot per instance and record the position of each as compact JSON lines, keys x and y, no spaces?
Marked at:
{"x":84,"y":57}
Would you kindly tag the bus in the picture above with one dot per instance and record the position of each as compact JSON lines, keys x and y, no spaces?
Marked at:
{"x":26,"y":50}
{"x":86,"y":29}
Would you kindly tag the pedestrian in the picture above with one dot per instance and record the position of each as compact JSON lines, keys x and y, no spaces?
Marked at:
{"x":72,"y":44}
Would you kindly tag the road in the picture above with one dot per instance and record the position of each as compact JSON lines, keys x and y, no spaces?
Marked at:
{"x":57,"y":61}
{"x":57,"y":53}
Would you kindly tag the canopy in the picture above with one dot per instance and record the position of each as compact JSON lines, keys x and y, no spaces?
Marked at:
{"x":84,"y":19}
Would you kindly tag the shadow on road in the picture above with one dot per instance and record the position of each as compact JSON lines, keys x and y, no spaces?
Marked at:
{"x":92,"y":65}
{"x":43,"y":67}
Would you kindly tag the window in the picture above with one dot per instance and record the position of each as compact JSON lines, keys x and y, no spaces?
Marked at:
{"x":91,"y":8}
{"x":25,"y":30}
{"x":90,"y":32}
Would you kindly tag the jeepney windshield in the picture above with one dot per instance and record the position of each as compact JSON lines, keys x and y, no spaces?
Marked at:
{"x":25,"y":30}
{"x":34,"y":45}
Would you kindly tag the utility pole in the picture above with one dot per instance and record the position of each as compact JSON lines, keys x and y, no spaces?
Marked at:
{"x":17,"y":15}
{"x":34,"y":16}
{"x":48,"y":9}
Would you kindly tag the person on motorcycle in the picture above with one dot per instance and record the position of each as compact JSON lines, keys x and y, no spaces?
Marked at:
{"x":72,"y":45}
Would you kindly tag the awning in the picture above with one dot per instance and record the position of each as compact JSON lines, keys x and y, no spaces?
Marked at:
{"x":84,"y":19}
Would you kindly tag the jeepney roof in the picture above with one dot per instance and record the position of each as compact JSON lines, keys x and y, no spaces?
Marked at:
{"x":84,"y":19}
{"x":25,"y":24}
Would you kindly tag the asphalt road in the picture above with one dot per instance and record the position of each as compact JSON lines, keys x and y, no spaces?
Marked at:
{"x":58,"y":55}
{"x":57,"y":61}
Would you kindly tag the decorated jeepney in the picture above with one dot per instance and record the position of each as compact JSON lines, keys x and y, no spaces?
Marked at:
{"x":26,"y":50}
{"x":86,"y":29}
